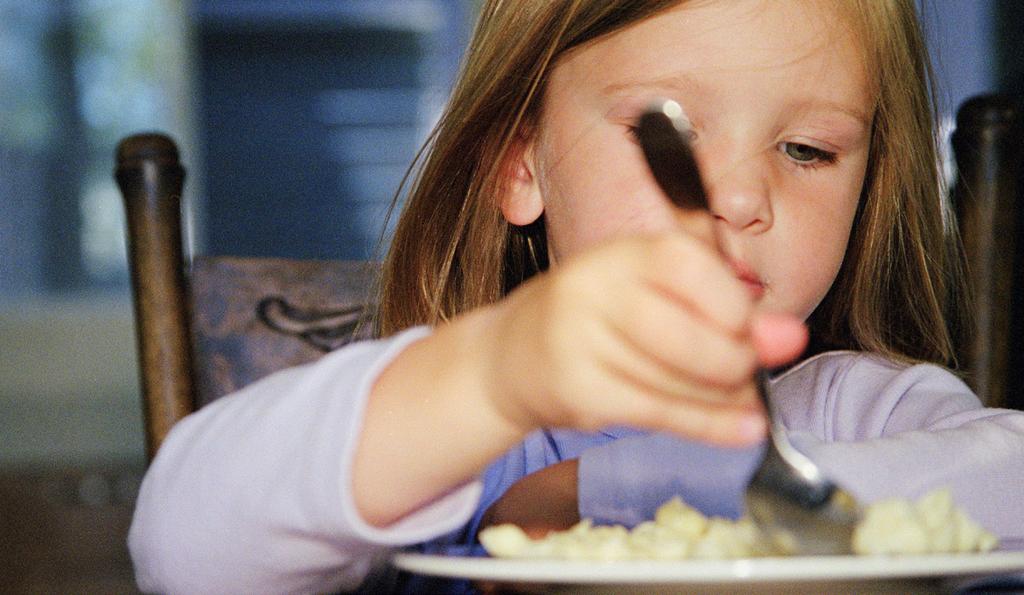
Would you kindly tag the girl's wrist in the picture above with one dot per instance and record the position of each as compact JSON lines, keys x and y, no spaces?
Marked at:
{"x":429,"y":426}
{"x":506,"y":359}
{"x":477,"y":344}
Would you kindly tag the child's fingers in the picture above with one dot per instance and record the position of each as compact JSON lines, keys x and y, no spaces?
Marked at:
{"x":651,"y":332}
{"x":724,"y":427}
{"x":614,"y":400}
{"x":717,"y":424}
{"x":673,"y":339}
{"x":778,"y":338}
{"x":657,"y":382}
{"x":690,"y":271}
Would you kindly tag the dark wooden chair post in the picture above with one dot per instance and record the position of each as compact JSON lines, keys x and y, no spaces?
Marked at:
{"x":988,"y":146}
{"x":151,"y":179}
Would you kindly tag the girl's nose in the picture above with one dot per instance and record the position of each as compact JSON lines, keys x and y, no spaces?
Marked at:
{"x":739,"y":196}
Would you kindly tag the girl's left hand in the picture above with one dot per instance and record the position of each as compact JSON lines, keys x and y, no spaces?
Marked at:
{"x":541,"y":502}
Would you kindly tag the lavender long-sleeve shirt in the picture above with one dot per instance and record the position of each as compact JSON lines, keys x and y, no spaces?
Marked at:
{"x":252,"y":494}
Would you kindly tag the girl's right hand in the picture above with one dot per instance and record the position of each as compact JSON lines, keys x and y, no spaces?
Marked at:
{"x":653,"y":332}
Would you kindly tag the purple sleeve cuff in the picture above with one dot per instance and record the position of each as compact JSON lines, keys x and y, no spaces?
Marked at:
{"x":625,"y":481}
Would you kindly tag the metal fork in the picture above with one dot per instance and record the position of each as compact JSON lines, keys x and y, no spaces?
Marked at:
{"x":788,"y":496}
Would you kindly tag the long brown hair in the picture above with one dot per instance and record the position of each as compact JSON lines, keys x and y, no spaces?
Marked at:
{"x":452,"y":250}
{"x":901,"y":291}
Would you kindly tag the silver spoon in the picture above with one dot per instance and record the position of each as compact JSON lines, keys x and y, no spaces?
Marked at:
{"x":788,"y":496}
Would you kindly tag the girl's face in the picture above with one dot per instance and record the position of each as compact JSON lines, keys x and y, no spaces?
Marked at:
{"x":781,"y":108}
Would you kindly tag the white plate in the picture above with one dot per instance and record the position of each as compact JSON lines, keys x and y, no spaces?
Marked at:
{"x":789,"y":575}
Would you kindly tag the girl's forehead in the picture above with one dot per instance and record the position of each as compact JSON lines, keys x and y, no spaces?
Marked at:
{"x":701,"y":47}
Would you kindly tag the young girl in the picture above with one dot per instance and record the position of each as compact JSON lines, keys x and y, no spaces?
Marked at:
{"x":559,"y":342}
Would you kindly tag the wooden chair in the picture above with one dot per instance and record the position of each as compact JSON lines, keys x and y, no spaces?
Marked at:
{"x":209,"y":325}
{"x":989,"y":147}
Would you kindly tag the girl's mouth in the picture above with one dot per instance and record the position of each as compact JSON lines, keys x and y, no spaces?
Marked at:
{"x":750,"y":278}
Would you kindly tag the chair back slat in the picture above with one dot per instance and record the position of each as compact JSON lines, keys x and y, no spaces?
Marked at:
{"x":241,"y":333}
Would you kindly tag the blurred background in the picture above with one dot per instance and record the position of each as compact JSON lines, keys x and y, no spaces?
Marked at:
{"x":296,"y":120}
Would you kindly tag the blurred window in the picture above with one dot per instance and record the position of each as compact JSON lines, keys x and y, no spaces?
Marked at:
{"x":310,"y":113}
{"x":77,"y":75}
{"x":296,"y":120}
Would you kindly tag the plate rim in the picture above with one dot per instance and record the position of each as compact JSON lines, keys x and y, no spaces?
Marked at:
{"x":743,"y":570}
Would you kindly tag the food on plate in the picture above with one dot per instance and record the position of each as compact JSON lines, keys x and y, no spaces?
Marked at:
{"x":677,"y":531}
{"x":933,"y":524}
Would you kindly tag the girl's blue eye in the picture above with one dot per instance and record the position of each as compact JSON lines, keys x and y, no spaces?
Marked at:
{"x":807,"y":155}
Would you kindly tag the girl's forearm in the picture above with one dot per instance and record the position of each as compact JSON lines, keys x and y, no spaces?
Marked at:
{"x":429,"y":426}
{"x":251,"y":493}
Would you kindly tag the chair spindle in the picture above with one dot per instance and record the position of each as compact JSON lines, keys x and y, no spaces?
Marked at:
{"x":989,"y":146}
{"x":151,"y":179}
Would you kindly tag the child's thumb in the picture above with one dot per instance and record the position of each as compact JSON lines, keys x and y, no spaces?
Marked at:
{"x":778,"y":338}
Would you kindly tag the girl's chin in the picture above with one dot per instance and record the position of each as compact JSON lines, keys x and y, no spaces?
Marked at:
{"x":766,"y":304}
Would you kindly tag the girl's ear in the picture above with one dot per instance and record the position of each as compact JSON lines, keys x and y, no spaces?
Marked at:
{"x":521,"y":202}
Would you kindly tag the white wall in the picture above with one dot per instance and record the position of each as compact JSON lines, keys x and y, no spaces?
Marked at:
{"x":69,"y":383}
